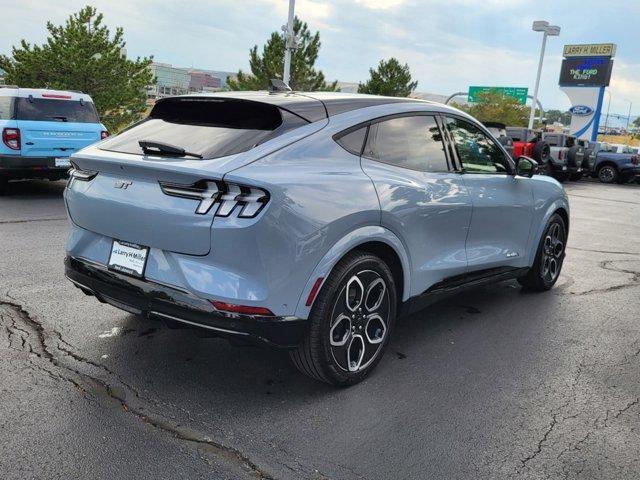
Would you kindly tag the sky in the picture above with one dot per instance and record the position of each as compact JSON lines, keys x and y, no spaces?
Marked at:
{"x":448,"y":44}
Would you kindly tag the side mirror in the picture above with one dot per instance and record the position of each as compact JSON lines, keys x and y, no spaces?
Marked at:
{"x":526,"y":167}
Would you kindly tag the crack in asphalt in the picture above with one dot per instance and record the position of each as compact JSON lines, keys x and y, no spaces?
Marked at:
{"x":25,"y":326}
{"x":29,"y":220}
{"x":634,"y":282}
{"x":604,"y":199}
{"x":612,"y":252}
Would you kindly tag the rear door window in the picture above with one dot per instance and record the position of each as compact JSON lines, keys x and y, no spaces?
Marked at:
{"x":6,"y":108}
{"x":413,"y":142}
{"x":211,"y":128}
{"x":52,"y":110}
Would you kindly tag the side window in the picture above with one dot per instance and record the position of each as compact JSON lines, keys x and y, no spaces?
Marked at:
{"x":410,"y":142}
{"x":353,"y":141}
{"x":6,"y":104}
{"x":477,"y":152}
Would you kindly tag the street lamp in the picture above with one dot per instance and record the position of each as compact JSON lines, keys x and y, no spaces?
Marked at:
{"x":629,"y":115}
{"x":290,"y":42}
{"x":549,"y":30}
{"x":606,"y":119}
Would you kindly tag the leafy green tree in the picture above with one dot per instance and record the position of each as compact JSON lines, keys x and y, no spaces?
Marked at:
{"x":390,"y":78}
{"x":271,"y":63}
{"x":82,"y":55}
{"x":495,"y":107}
{"x":558,"y":116}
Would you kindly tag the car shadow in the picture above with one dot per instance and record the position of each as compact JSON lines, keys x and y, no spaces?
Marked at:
{"x":35,"y":188}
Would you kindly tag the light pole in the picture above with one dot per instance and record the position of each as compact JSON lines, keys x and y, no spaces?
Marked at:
{"x":629,"y":115}
{"x":606,"y":118}
{"x":549,"y":30}
{"x":289,"y":42}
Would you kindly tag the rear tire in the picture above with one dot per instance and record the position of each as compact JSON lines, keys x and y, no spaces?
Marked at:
{"x":346,"y":336}
{"x":608,"y":174}
{"x":549,"y":257}
{"x":541,"y":152}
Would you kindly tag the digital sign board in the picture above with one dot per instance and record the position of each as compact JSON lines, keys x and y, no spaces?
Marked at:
{"x":586,"y":72}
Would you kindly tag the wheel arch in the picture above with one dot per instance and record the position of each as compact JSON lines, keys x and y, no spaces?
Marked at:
{"x":559,"y":206}
{"x":609,"y":163}
{"x":373,"y":239}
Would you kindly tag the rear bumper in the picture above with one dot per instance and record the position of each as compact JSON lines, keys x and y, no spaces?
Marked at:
{"x":632,"y":172}
{"x":140,"y":296}
{"x":15,"y":167}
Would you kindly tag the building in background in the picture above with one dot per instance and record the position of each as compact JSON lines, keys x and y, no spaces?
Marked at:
{"x":170,"y":80}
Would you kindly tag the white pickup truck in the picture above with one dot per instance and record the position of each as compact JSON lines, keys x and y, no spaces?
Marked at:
{"x":565,"y":151}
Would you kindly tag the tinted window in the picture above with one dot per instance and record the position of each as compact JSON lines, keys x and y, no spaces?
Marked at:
{"x":353,"y":142}
{"x":477,"y":151}
{"x":409,"y":142}
{"x":208,"y":127}
{"x":46,"y":109}
{"x":5,"y":107}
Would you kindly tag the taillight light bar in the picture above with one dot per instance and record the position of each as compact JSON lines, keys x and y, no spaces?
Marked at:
{"x":76,"y":173}
{"x":11,"y":138}
{"x":634,"y":160}
{"x":222,"y":197}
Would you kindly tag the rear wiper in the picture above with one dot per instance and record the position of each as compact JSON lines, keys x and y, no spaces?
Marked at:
{"x":60,"y":117}
{"x":151,"y":147}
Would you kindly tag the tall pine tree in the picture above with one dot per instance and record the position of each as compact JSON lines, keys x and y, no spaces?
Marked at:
{"x":82,"y":55}
{"x":271,"y":63}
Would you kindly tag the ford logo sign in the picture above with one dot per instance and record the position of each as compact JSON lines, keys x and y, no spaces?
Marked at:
{"x":581,"y":110}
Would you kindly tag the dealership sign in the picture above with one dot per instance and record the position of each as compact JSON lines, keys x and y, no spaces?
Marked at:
{"x":590,"y":50}
{"x":519,"y":93}
{"x":586,"y":71}
{"x":581,"y":110}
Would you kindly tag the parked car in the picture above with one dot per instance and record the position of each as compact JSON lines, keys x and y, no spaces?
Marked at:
{"x":306,"y":221}
{"x":41,"y":129}
{"x":565,"y":152}
{"x":531,"y":144}
{"x":615,"y":164}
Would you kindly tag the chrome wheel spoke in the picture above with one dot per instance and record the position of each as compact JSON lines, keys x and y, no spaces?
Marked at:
{"x":355,"y":353}
{"x":354,"y":293}
{"x":375,"y":329}
{"x":374,"y":295}
{"x":340,"y":331}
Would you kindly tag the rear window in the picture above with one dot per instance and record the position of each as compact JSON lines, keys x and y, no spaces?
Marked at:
{"x":6,"y":108}
{"x":52,"y":110}
{"x":209,"y":127}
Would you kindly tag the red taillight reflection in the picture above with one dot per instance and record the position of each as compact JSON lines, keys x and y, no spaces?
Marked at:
{"x":242,"y":309}
{"x":104,"y":134}
{"x":314,"y":292}
{"x":11,"y":138}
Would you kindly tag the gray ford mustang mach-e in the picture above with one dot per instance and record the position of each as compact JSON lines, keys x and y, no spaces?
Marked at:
{"x":309,"y":221}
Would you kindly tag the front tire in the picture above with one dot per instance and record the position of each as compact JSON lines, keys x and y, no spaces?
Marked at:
{"x":549,"y":257}
{"x":350,"y":322}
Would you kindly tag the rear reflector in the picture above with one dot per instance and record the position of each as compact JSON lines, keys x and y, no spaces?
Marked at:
{"x":314,"y":291}
{"x":241,"y":309}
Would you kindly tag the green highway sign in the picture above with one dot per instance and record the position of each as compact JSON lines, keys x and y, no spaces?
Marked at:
{"x":519,"y":93}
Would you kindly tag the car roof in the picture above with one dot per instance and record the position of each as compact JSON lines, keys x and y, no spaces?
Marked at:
{"x":44,"y":93}
{"x":313,"y":106}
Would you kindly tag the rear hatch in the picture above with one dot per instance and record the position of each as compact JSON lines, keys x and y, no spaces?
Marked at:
{"x":56,"y":127}
{"x":125,"y":201}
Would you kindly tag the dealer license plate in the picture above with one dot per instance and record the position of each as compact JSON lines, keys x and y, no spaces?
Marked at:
{"x":62,"y":162}
{"x":128,"y":258}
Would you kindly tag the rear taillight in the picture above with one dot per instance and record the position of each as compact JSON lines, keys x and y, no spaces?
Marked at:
{"x":220,"y":196}
{"x":560,"y":155}
{"x":77,"y":173}
{"x":634,"y":160}
{"x":11,"y":138}
{"x":241,"y":309}
{"x":103,"y":134}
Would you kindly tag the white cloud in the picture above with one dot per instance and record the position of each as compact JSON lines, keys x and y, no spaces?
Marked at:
{"x":381,"y":4}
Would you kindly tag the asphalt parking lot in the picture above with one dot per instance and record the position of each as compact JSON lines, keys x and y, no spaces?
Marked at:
{"x":492,"y":383}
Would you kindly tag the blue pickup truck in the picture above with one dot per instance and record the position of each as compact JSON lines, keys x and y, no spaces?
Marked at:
{"x":41,"y":129}
{"x":610,"y":163}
